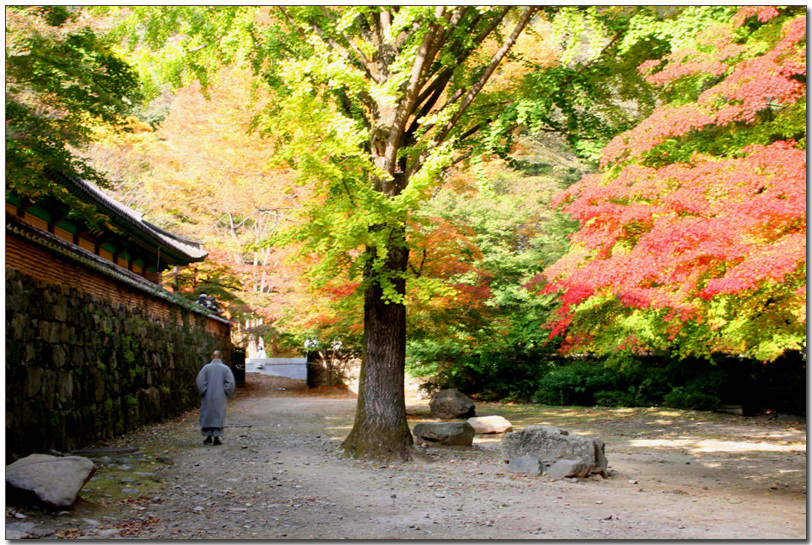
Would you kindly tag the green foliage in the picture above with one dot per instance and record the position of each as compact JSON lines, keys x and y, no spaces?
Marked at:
{"x":487,"y":337}
{"x":632,"y":381}
{"x":683,"y":397}
{"x":595,"y":91}
{"x":129,"y":349}
{"x":62,"y":78}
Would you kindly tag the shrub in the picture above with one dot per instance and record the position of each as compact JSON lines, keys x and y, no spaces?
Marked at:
{"x":574,"y":384}
{"x":683,"y":397}
{"x":616,"y":398}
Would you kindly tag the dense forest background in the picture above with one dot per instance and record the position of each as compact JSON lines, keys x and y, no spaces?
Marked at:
{"x":624,"y":224}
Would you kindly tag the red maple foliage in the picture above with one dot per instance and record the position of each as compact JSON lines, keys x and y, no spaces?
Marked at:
{"x":664,"y":230}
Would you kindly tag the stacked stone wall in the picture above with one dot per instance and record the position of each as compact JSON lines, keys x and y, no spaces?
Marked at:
{"x":81,"y":367}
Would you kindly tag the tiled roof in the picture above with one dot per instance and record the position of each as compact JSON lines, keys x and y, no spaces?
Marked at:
{"x":83,"y":257}
{"x":174,"y":247}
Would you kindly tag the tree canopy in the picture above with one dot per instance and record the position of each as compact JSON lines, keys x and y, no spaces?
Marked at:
{"x":693,"y":231}
{"x":62,"y":78}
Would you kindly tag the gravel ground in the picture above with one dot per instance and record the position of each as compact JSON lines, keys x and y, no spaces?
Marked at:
{"x":280,"y":475}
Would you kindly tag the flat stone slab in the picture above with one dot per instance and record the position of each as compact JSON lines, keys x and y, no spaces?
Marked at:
{"x":25,"y":530}
{"x":444,"y":434}
{"x":567,"y":468}
{"x":490,"y":424}
{"x":49,"y":479}
{"x":528,"y":465}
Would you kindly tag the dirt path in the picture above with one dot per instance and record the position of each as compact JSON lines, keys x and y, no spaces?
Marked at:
{"x":675,"y":475}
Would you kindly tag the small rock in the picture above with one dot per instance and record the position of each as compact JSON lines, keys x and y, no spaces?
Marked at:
{"x":527,"y":464}
{"x":490,"y":424}
{"x":567,"y":468}
{"x":451,"y":403}
{"x":19,"y":530}
{"x":92,"y":522}
{"x":444,"y":433}
{"x":129,"y":490}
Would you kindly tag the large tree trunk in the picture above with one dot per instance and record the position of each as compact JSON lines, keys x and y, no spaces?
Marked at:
{"x":380,"y":430}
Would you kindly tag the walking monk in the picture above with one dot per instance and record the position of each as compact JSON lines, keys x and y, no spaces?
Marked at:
{"x":215,"y":382}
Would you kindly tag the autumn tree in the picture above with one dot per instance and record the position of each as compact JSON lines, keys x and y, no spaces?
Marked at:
{"x":200,"y":172}
{"x":62,"y":78}
{"x":483,"y":333}
{"x":371,"y":102}
{"x":693,"y":231}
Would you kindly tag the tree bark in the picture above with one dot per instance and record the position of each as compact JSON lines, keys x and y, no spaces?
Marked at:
{"x":380,"y":430}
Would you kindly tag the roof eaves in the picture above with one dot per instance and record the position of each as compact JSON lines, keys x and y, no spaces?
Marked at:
{"x":90,"y":260}
{"x":132,"y":222}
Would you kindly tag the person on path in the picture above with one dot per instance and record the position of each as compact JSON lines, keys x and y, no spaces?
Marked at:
{"x":215,"y":382}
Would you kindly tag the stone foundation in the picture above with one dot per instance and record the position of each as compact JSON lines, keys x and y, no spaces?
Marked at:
{"x":80,"y":368}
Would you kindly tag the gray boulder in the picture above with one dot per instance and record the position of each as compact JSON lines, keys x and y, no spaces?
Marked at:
{"x":490,"y":424}
{"x":26,"y":530}
{"x":48,"y":479}
{"x":444,"y":433}
{"x":529,"y":465}
{"x":450,"y":403}
{"x":550,"y":444}
{"x":567,"y":468}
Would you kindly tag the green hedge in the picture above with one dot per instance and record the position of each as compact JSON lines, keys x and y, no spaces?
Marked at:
{"x":634,"y":382}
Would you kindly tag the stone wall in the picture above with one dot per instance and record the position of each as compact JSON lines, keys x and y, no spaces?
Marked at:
{"x":80,"y":367}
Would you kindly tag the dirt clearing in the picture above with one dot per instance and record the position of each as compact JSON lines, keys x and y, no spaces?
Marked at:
{"x":280,"y":475}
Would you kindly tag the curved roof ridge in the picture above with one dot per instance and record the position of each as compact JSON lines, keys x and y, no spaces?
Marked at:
{"x":132,"y":221}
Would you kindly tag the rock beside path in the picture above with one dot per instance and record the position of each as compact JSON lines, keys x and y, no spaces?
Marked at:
{"x":450,"y":403}
{"x":528,"y":465}
{"x":25,"y":530}
{"x":567,"y":468}
{"x":444,"y":433}
{"x":550,"y":444}
{"x":52,"y":480}
{"x":490,"y":424}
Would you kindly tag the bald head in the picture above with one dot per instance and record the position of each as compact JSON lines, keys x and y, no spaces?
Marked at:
{"x":217,"y":355}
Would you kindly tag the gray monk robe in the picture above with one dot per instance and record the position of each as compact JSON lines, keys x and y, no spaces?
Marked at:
{"x":215,"y":382}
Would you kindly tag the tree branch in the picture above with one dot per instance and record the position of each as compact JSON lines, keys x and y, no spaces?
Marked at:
{"x":406,"y":106}
{"x":360,"y":54}
{"x":290,"y":21}
{"x":419,"y":272}
{"x":444,"y":77}
{"x":476,"y":88}
{"x":361,"y":64}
